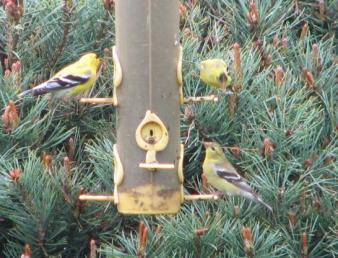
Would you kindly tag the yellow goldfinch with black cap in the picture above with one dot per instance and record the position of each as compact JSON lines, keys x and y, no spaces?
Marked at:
{"x":214,"y":72}
{"x":223,"y":176}
{"x":73,"y":79}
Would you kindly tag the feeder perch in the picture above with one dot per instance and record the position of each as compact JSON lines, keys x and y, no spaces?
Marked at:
{"x":102,"y":101}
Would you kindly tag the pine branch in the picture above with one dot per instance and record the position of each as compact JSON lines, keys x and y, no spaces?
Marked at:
{"x":67,"y":15}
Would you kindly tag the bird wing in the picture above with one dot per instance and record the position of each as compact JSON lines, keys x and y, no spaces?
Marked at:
{"x":233,"y":177}
{"x":60,"y":83}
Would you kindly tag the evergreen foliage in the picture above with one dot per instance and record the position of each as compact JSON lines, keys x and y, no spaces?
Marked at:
{"x":280,"y":132}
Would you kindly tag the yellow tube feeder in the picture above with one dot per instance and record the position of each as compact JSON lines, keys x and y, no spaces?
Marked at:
{"x":148,"y":156}
{"x":148,"y":152}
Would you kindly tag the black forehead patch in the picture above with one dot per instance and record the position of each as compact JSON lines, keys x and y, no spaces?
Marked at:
{"x":223,"y":77}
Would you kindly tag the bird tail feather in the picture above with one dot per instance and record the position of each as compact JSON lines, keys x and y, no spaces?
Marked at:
{"x":37,"y":90}
{"x":259,"y":200}
{"x":256,"y":198}
{"x":24,"y":93}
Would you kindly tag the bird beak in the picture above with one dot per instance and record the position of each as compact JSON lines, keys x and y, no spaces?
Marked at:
{"x":229,"y":81}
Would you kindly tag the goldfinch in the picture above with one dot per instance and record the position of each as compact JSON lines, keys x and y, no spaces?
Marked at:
{"x":214,"y":72}
{"x":223,"y":176}
{"x":73,"y":79}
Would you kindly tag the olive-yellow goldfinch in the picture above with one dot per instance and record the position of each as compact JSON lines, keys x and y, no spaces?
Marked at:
{"x":214,"y":72}
{"x":73,"y":79}
{"x":223,"y":176}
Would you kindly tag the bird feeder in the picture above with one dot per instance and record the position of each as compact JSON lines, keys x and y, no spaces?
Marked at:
{"x":148,"y":155}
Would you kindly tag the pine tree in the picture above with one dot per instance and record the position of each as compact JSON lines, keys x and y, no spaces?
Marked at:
{"x":279,"y":128}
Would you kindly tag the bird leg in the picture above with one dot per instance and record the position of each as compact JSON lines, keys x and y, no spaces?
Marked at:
{"x":204,"y":184}
{"x":219,"y":194}
{"x":227,"y":92}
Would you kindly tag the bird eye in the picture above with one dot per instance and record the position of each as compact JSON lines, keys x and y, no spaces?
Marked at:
{"x":213,"y":148}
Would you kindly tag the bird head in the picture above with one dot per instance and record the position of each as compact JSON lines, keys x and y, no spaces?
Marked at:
{"x":214,"y":72}
{"x":91,"y":59}
{"x":225,"y":78}
{"x":213,"y":150}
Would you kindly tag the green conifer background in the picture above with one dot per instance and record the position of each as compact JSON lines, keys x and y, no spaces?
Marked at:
{"x":297,"y":175}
